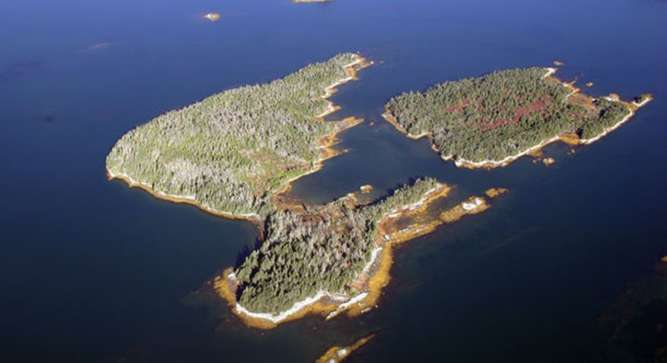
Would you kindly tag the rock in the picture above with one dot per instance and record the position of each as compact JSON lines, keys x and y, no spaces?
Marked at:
{"x":366,"y":188}
{"x":495,"y":192}
{"x":548,"y":161}
{"x":213,"y":17}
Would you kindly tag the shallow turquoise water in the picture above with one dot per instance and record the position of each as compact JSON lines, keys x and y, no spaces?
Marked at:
{"x":93,"y":271}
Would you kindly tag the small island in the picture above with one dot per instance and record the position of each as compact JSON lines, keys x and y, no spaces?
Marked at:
{"x":493,"y":120}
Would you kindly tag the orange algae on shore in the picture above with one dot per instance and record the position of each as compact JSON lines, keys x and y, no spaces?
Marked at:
{"x":338,"y":354}
{"x":328,"y":142}
{"x":380,"y":277}
{"x":570,"y":138}
{"x":352,"y":72}
{"x":369,"y":284}
{"x":226,"y":288}
{"x":328,"y":150}
{"x":537,"y":153}
{"x":473,"y":205}
{"x":495,"y":192}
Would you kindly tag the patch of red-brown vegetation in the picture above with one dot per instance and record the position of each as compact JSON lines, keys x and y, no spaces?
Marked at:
{"x":537,"y":106}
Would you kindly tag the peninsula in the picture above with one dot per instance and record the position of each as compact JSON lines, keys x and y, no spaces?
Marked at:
{"x":495,"y":119}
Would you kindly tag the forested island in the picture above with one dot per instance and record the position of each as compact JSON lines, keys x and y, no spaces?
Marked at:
{"x":232,"y":152}
{"x":494,"y":119}
{"x":235,"y":154}
{"x":335,"y":258}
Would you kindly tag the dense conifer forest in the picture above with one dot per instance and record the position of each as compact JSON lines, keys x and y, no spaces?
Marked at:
{"x":501,"y":114}
{"x":324,"y":248}
{"x":231,"y":150}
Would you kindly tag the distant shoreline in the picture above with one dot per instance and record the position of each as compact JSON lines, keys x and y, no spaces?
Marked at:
{"x":491,"y":163}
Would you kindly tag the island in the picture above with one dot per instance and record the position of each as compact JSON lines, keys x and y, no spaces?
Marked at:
{"x":492,"y":120}
{"x":235,"y":154}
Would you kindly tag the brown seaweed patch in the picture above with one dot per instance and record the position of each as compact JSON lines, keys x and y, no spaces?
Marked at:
{"x":495,"y":192}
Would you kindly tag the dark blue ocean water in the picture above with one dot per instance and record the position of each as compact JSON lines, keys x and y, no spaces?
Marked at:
{"x":92,"y":271}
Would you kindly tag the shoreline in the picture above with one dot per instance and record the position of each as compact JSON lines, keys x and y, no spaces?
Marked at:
{"x":183,"y":199}
{"x":632,"y":106}
{"x":328,"y":141}
{"x":381,"y":276}
{"x":351,"y":70}
{"x":328,"y":151}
